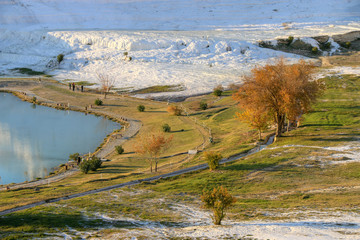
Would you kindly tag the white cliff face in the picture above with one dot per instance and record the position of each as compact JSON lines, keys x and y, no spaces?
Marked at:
{"x":216,"y":44}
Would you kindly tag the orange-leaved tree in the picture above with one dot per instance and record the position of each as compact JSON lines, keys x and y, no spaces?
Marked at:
{"x":281,"y":91}
{"x":258,"y":119}
{"x":153,"y":145}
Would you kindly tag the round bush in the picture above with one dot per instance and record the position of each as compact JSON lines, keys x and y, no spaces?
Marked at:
{"x":85,"y":167}
{"x":98,"y":102}
{"x":141,"y":108}
{"x":95,"y":163}
{"x":213,"y":159}
{"x":166,"y":127}
{"x":60,"y":58}
{"x":203,"y":105}
{"x":314,"y":50}
{"x":119,"y":149}
{"x":218,"y":92}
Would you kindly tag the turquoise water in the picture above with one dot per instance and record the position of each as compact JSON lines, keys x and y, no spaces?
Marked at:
{"x":34,"y":139}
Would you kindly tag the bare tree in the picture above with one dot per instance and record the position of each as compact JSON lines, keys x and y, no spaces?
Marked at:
{"x":106,"y":82}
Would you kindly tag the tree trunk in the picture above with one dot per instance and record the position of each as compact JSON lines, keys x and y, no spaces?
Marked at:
{"x":156,"y":162}
{"x":279,"y":124}
{"x":151,"y":165}
{"x":288,"y":125}
{"x":259,"y":134}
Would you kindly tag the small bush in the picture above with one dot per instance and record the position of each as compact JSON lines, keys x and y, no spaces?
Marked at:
{"x":166,"y":127}
{"x":141,"y":108}
{"x":85,"y":167}
{"x":126,"y":53}
{"x":95,"y":163}
{"x":119,"y":149}
{"x":348,"y":44}
{"x":74,"y":156}
{"x":174,"y":110}
{"x":213,"y":159}
{"x":34,"y":99}
{"x":98,"y":102}
{"x":203,"y":105}
{"x":327,"y":45}
{"x":218,"y":90}
{"x":289,"y":40}
{"x":314,"y":50}
{"x":218,"y":200}
{"x":60,"y":58}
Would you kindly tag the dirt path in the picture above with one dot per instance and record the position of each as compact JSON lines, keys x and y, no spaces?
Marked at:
{"x":135,"y":182}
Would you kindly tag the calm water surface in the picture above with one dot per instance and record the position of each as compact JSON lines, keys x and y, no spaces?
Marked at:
{"x":34,"y":139}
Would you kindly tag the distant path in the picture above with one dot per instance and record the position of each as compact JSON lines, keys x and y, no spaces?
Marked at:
{"x":135,"y":182}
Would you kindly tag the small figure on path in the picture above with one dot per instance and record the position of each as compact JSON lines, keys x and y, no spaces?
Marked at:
{"x":82,"y":88}
{"x":73,"y":86}
{"x":70,"y":86}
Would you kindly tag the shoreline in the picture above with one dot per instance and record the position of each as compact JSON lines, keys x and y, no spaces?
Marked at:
{"x":126,"y":123}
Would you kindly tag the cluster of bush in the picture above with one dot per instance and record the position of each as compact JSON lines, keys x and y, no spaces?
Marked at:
{"x":92,"y":164}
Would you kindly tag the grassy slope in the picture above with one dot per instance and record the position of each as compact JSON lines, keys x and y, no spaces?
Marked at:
{"x":281,"y":178}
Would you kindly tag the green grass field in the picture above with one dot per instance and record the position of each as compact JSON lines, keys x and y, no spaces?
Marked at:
{"x":295,"y":173}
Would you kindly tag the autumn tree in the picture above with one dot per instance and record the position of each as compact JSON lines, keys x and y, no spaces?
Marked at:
{"x":174,"y":110}
{"x":218,"y":200}
{"x":281,"y":91}
{"x":106,"y":82}
{"x":153,"y":145}
{"x":258,"y":119}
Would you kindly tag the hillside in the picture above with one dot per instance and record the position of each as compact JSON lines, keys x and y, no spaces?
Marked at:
{"x":195,"y":44}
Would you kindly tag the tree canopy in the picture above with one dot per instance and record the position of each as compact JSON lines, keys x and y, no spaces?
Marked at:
{"x":279,"y":91}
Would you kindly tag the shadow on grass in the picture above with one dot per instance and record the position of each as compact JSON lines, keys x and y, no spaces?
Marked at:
{"x":347,"y":139}
{"x":117,"y":168}
{"x":256,"y":166}
{"x":323,"y":125}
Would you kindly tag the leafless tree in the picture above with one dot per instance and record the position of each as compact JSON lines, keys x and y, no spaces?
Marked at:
{"x":106,"y":82}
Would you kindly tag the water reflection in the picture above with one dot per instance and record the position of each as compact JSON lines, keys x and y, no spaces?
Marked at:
{"x":34,"y":140}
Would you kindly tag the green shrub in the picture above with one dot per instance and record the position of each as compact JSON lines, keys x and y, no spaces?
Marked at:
{"x":314,"y":50}
{"x":348,"y":44}
{"x":217,"y":92}
{"x":203,"y":105}
{"x":85,"y":167}
{"x":34,"y":99}
{"x":166,"y":127}
{"x":95,"y":163}
{"x":289,"y":40}
{"x":60,"y":58}
{"x":218,"y":200}
{"x":327,"y":45}
{"x":119,"y":149}
{"x":74,"y":156}
{"x":213,"y":159}
{"x":141,"y":108}
{"x":98,"y":102}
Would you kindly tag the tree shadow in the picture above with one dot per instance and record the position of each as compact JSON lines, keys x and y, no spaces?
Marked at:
{"x":346,"y":139}
{"x":256,"y":166}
